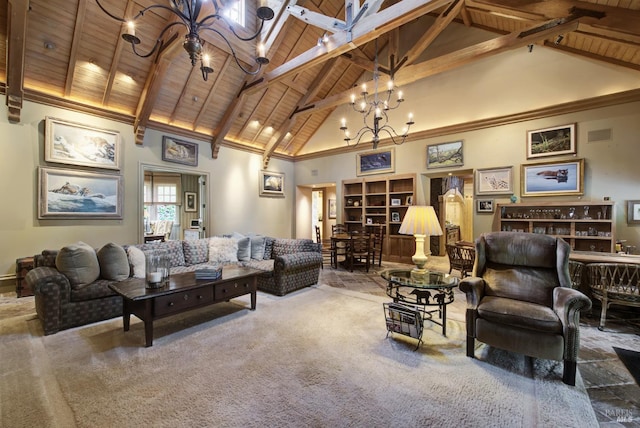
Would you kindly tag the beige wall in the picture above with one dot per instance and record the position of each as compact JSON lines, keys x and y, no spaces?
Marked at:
{"x":610,"y":166}
{"x":234,"y":204}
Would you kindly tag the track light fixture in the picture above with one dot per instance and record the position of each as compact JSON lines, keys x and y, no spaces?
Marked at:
{"x":530,"y":48}
{"x":559,"y":39}
{"x":188,"y":12}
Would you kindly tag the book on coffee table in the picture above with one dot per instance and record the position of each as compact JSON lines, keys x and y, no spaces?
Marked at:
{"x":209,"y":272}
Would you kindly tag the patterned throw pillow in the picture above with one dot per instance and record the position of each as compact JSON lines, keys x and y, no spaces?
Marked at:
{"x":223,"y":250}
{"x":195,"y":251}
{"x":173,"y":249}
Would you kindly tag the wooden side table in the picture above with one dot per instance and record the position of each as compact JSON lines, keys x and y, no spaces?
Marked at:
{"x":23,"y":266}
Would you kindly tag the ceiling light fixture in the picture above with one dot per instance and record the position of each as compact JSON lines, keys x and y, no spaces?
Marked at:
{"x":559,"y":39}
{"x":188,"y":11}
{"x":376,"y":107}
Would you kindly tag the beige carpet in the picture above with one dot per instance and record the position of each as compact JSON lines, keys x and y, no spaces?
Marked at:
{"x":317,"y":357}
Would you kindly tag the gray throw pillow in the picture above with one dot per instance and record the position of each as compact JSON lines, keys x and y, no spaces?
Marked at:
{"x":257,"y":246}
{"x":79,"y":263}
{"x":244,"y":247}
{"x":113,"y":261}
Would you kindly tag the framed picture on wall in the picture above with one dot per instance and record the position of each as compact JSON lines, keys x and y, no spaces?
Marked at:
{"x":77,"y":144}
{"x":271,"y":184}
{"x":178,"y":151}
{"x":633,"y":212}
{"x":553,"y":178}
{"x":445,"y":155}
{"x":72,"y":194}
{"x":190,"y":201}
{"x":558,"y":140}
{"x":332,"y":209}
{"x":494,"y":181}
{"x":484,"y":205}
{"x":375,"y":162}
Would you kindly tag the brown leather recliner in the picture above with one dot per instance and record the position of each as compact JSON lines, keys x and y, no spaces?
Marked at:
{"x":520,"y":298}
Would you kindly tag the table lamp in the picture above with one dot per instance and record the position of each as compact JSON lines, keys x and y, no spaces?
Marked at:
{"x":420,"y":221}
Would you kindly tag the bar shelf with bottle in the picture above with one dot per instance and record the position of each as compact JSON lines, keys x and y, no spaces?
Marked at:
{"x":586,"y":226}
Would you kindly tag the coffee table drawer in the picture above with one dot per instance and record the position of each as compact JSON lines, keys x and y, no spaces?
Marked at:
{"x":178,"y":301}
{"x":232,"y":289}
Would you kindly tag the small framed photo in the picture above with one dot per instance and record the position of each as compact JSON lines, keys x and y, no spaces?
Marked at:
{"x":369,"y":220}
{"x":558,"y":140}
{"x":553,"y":178}
{"x":484,"y":206}
{"x":332,"y":208}
{"x":633,"y":212}
{"x":178,"y":151}
{"x":445,"y":155}
{"x":271,"y":184}
{"x":190,"y":201}
{"x":494,"y":181}
{"x":395,"y":202}
{"x":375,"y":162}
{"x":409,"y":200}
{"x":395,"y":217}
{"x":76,"y":144}
{"x":72,"y":194}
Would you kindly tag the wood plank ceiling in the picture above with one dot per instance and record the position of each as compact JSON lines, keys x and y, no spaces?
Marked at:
{"x":69,"y":53}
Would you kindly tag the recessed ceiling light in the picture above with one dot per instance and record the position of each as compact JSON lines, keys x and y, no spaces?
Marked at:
{"x":49,"y":45}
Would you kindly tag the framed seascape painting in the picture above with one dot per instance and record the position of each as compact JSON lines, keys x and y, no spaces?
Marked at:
{"x":71,"y":194}
{"x":375,"y":162}
{"x":271,"y":184}
{"x":445,"y":155}
{"x":77,"y":144}
{"x":494,"y":181}
{"x":553,"y":178}
{"x":559,"y":140}
{"x":179,"y":151}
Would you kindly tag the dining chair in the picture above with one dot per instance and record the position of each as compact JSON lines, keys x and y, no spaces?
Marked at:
{"x":325,"y":248}
{"x":338,"y":247}
{"x":359,"y":249}
{"x":377,"y":243}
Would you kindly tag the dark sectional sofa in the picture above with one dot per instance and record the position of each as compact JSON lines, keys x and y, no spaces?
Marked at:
{"x":288,"y":265}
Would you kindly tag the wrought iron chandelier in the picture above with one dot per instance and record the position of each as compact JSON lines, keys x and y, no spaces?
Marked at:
{"x":376,"y":106}
{"x":188,"y":11}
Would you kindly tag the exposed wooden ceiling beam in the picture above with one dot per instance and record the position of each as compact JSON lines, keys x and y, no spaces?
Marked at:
{"x":369,"y":28}
{"x":16,"y":45}
{"x":75,"y":43}
{"x":290,"y":122}
{"x":212,"y":92}
{"x":441,"y":22}
{"x":152,"y":87}
{"x":455,"y":59}
{"x":115,"y":61}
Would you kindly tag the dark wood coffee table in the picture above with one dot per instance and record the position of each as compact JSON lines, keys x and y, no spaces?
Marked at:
{"x":183,"y":293}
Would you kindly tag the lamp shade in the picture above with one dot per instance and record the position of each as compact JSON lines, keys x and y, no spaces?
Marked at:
{"x":420,"y":220}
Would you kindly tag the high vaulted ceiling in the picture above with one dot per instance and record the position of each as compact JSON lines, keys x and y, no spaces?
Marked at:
{"x":68,"y":53}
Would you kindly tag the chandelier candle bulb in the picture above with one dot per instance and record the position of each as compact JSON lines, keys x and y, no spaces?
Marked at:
{"x":390,"y":85}
{"x":400,"y":99}
{"x":131,"y":29}
{"x":206,"y":61}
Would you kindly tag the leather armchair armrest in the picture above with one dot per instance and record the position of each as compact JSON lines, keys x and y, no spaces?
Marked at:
{"x":567,"y":304}
{"x":473,"y":288}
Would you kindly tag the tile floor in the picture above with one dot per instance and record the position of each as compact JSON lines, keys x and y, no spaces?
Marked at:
{"x":614,"y":394}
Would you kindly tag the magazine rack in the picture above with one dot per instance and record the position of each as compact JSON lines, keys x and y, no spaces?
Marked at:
{"x":403,"y":319}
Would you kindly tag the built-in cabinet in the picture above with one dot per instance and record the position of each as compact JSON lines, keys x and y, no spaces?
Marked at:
{"x":586,"y":226}
{"x":382,"y":200}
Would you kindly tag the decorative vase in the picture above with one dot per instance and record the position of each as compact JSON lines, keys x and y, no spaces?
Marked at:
{"x":157,"y":270}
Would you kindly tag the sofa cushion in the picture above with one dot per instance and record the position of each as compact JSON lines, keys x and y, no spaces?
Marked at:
{"x":113,"y":261}
{"x":195,"y":251}
{"x":223,"y":250}
{"x":136,"y":260}
{"x":173,"y":249}
{"x":258,"y":243}
{"x":268,"y":248}
{"x":79,"y":263}
{"x":244,"y":246}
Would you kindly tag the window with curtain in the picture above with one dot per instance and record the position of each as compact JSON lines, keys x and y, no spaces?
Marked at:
{"x":161,"y":198}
